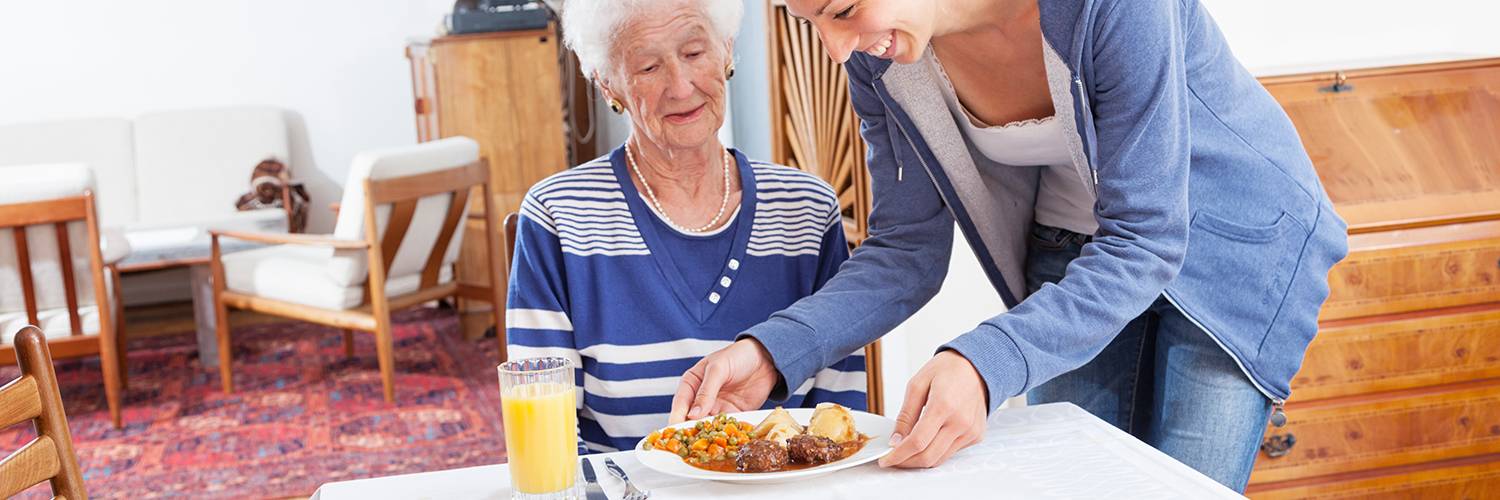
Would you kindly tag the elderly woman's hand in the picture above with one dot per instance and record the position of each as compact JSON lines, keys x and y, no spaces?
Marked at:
{"x":732,"y":379}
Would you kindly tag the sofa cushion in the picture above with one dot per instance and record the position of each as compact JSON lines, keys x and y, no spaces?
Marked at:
{"x":113,"y":246}
{"x":106,"y":145}
{"x":297,"y":274}
{"x":193,"y":164}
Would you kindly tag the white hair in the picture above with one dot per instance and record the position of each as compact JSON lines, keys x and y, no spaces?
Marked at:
{"x":591,"y":27}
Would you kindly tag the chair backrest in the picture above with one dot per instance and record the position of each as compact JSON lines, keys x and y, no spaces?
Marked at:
{"x":416,"y":199}
{"x":194,"y":164}
{"x":106,"y":145}
{"x":510,"y":239}
{"x":49,"y":249}
{"x":35,"y":397}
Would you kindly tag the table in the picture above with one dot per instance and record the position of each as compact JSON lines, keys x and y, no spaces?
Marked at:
{"x":155,"y":249}
{"x":1046,"y":451}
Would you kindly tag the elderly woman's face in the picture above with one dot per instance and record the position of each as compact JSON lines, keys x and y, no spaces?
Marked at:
{"x":669,"y":72}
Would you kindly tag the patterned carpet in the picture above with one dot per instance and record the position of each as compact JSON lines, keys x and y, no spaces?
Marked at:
{"x":302,"y":413}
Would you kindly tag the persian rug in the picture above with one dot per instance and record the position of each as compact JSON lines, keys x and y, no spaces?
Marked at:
{"x":302,"y":413}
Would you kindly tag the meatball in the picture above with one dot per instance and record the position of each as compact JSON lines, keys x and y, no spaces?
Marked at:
{"x":810,"y":449}
{"x":761,"y":456}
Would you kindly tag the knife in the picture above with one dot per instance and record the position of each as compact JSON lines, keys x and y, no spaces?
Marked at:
{"x":593,"y":490}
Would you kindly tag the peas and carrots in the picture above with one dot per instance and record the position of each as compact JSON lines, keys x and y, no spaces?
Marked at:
{"x":708,"y":441}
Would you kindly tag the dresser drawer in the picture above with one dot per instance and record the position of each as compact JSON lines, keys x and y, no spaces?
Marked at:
{"x":1410,"y":278}
{"x":1400,"y":430}
{"x":1473,"y":480}
{"x":1401,"y":352}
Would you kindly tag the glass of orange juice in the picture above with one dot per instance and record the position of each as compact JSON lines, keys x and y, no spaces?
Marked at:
{"x":537,"y":401}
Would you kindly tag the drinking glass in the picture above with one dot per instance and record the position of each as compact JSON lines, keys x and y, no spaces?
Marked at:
{"x":541,"y":428}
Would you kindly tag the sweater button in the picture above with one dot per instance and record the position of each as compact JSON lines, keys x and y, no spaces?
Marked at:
{"x":713,"y":297}
{"x":725,"y":281}
{"x":734,"y":264}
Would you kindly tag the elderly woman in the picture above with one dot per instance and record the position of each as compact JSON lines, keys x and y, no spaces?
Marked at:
{"x":639,"y":263}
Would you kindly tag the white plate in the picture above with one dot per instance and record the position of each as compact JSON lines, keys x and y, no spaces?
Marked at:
{"x":878,"y":428}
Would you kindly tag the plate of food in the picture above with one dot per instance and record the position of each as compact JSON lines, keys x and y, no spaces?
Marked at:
{"x":768,"y":445}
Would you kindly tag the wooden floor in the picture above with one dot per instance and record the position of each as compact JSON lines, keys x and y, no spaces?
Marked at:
{"x":177,"y":318}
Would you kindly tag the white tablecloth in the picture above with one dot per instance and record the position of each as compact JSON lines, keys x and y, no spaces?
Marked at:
{"x":1046,"y":451}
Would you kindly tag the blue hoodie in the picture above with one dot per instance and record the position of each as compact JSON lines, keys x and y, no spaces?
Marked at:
{"x":1205,"y":196}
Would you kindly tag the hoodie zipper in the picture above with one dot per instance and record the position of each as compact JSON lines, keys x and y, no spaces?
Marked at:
{"x":1277,"y":404}
{"x":900,"y":167}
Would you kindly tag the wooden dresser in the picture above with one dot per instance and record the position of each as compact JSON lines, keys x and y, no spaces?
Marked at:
{"x":504,"y":91}
{"x":1400,"y":393}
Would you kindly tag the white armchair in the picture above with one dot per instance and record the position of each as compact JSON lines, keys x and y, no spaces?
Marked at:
{"x":47,"y":212}
{"x":394,"y":246}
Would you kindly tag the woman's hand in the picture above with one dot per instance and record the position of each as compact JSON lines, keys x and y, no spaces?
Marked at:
{"x":945,"y":411}
{"x":732,"y":379}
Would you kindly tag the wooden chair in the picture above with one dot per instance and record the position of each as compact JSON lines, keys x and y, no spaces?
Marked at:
{"x":397,"y":252}
{"x":510,"y":221}
{"x":35,"y":397}
{"x":53,"y":270}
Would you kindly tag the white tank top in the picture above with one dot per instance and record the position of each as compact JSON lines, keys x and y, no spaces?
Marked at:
{"x":1063,"y":199}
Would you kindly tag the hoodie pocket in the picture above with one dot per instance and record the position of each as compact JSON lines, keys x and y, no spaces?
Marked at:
{"x":1246,"y":268}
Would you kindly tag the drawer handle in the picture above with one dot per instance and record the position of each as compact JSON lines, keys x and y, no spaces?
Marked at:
{"x":1278,"y":445}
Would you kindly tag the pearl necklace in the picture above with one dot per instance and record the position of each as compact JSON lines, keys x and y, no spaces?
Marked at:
{"x":663,"y":212}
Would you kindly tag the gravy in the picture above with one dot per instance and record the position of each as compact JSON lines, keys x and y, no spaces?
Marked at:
{"x":728,"y":464}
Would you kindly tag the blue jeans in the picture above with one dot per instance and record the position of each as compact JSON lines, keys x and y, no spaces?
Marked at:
{"x":1162,"y":379}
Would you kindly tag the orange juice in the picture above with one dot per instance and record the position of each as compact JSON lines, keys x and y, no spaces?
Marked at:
{"x":541,"y":436}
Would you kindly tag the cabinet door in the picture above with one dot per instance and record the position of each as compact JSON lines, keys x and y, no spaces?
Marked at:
{"x":503,"y":90}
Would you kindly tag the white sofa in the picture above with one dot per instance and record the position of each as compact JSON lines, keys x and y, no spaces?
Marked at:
{"x":164,"y":178}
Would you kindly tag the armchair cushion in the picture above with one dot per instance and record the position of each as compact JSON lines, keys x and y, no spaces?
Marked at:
{"x":54,"y":323}
{"x":298,"y":274}
{"x":349,"y":267}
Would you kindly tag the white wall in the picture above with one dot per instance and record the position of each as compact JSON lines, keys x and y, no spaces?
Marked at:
{"x":1279,"y":36}
{"x":1269,"y":37}
{"x":336,"y":64}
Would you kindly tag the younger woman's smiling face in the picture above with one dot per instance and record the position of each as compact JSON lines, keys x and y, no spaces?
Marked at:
{"x":889,"y":29}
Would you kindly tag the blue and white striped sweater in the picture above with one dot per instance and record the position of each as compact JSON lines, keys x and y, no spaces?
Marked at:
{"x":586,"y":285}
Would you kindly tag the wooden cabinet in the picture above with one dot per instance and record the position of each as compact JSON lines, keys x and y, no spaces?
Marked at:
{"x":1399,"y":396}
{"x":504,"y":91}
